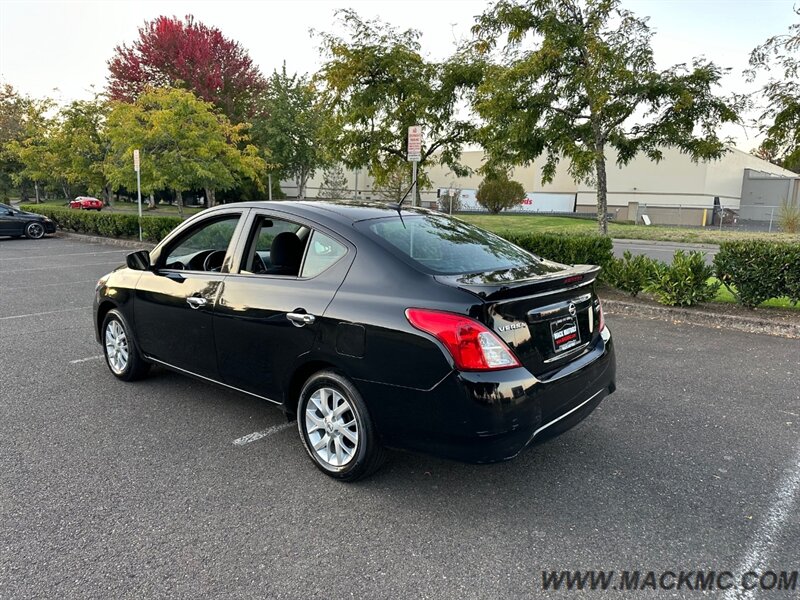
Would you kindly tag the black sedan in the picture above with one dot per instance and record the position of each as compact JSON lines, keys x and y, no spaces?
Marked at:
{"x":16,"y":223}
{"x":375,"y":327}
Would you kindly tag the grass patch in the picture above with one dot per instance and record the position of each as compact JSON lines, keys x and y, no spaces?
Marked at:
{"x":723,"y":295}
{"x":521,"y":224}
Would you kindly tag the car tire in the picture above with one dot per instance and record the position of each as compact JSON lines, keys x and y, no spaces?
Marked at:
{"x":346,"y":445}
{"x":34,"y":231}
{"x":120,"y":349}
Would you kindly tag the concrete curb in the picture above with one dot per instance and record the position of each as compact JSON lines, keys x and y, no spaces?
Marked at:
{"x":95,"y":239}
{"x":704,"y":318}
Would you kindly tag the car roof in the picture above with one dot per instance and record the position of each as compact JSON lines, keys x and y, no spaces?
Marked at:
{"x":345,"y":212}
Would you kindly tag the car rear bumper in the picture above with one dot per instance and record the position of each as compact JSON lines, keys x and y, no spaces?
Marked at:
{"x":491,"y":417}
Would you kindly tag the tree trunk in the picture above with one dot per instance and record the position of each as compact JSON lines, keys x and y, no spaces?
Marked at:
{"x":179,"y":199}
{"x":602,"y":194}
{"x":151,"y":202}
{"x":36,"y":187}
{"x":600,"y":173}
{"x":211,"y":198}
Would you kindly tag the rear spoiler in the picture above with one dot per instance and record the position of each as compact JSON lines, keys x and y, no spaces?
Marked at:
{"x":569,"y":278}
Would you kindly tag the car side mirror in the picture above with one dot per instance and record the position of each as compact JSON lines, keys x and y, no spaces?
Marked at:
{"x":138,"y":261}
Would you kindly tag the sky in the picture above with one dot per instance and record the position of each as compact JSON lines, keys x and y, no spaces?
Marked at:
{"x":61,"y":48}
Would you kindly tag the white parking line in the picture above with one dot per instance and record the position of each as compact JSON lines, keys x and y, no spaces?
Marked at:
{"x":48,"y":312}
{"x":60,"y":267}
{"x":769,"y":532}
{"x":257,"y":435}
{"x":60,"y":255}
{"x":87,"y":359}
{"x":29,"y":287}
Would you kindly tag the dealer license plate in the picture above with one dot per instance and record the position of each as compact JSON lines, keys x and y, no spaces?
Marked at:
{"x":566,"y":334}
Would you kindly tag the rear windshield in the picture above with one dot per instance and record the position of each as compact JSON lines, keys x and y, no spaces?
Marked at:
{"x":444,"y":246}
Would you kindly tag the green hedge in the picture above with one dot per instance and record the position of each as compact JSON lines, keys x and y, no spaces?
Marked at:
{"x":756,"y":270}
{"x":685,"y":282}
{"x":631,"y":274}
{"x":567,"y":249}
{"x":107,"y":224}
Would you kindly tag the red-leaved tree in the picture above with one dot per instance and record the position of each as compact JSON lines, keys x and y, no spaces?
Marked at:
{"x":172,"y":52}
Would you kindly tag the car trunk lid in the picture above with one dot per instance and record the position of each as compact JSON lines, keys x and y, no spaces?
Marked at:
{"x":548,"y":317}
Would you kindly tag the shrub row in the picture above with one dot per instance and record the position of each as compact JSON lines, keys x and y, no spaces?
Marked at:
{"x":684,"y":282}
{"x":756,"y":270}
{"x":107,"y":224}
{"x":567,"y":249}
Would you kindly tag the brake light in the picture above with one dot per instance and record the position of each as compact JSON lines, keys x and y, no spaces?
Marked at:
{"x":471,"y":344}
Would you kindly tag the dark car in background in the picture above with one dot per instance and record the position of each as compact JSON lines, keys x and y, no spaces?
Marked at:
{"x":375,"y":327}
{"x":16,"y":223}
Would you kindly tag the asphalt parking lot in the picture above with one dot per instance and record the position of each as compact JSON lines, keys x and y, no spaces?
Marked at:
{"x":113,"y":490}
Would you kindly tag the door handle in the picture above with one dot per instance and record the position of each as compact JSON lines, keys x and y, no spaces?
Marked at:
{"x":300,"y":319}
{"x":196,"y":301}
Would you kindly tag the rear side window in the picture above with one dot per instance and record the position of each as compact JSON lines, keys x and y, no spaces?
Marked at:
{"x":258,"y":256}
{"x":323,"y":253}
{"x":445,"y":246}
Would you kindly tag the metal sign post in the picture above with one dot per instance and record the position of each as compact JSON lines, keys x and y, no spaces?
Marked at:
{"x":136,"y":167}
{"x":414,"y":156}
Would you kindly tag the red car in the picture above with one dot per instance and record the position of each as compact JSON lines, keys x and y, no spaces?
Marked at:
{"x":86,"y":203}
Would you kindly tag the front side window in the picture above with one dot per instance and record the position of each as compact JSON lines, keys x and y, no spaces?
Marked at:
{"x":323,"y":253}
{"x":203,"y":248}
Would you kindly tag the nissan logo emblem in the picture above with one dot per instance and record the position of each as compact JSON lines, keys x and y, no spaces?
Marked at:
{"x":572,"y":309}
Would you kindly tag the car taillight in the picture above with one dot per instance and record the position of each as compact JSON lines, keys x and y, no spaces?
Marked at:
{"x":471,"y":344}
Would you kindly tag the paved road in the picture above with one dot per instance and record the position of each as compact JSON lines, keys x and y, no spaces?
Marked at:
{"x":663,"y":251}
{"x":113,"y":490}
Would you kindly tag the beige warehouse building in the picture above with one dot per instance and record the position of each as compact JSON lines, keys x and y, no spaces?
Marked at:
{"x":672,"y":191}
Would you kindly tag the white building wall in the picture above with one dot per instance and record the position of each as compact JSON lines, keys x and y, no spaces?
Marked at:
{"x":673,"y":183}
{"x":724,"y":177}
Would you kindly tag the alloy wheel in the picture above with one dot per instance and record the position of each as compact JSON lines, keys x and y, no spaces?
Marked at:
{"x":331,"y":427}
{"x":35,"y":230}
{"x":116,"y":347}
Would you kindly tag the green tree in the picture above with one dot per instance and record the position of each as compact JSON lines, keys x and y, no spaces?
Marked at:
{"x":184,"y":145}
{"x":13,"y":113}
{"x":291,"y":128}
{"x":81,"y":145}
{"x":780,"y":118}
{"x":577,"y":79}
{"x":334,"y":183}
{"x":378,"y":84}
{"x":497,"y":192}
{"x":33,"y":149}
{"x":393,"y":181}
